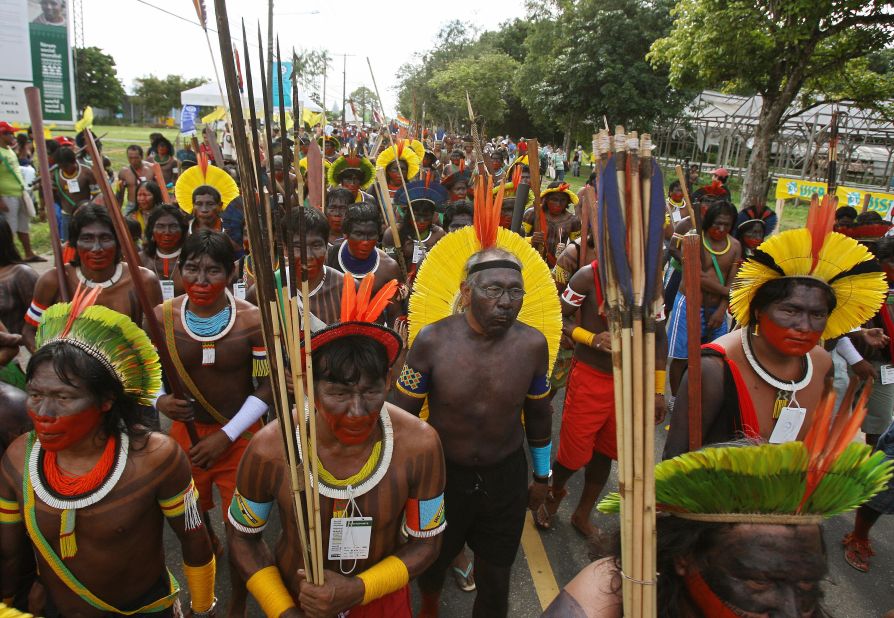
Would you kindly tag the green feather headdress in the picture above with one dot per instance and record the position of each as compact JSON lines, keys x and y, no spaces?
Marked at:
{"x":763,"y":484}
{"x":108,"y":336}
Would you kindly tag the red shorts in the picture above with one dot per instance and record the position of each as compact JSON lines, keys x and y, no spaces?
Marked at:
{"x":222,"y":473}
{"x":588,"y":418}
{"x":394,"y":605}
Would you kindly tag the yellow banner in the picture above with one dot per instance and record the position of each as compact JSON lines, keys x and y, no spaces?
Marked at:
{"x":879,"y":201}
{"x":86,"y":120}
{"x":794,"y":188}
{"x":311,"y":119}
{"x":218,"y":114}
{"x":797,"y":189}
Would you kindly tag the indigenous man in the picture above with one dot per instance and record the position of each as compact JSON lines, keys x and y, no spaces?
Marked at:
{"x":721,"y":255}
{"x":97,"y":263}
{"x":456,"y":180}
{"x":481,"y":428}
{"x":355,"y":173}
{"x":417,"y":240}
{"x":405,"y":164}
{"x":359,"y":256}
{"x":330,"y":147}
{"x":336,"y":205}
{"x":760,"y":212}
{"x":165,"y":233}
{"x":325,"y":283}
{"x":739,"y":559}
{"x":375,"y":462}
{"x":92,"y":487}
{"x":562,"y":225}
{"x":587,"y":436}
{"x":216,"y":344}
{"x":204,"y":191}
{"x":766,"y":379}
{"x":717,"y":190}
{"x":458,"y":215}
{"x":130,"y":177}
{"x":162,"y":152}
{"x":72,"y":183}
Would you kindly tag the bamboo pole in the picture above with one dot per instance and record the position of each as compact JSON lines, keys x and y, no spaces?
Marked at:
{"x":692,"y":268}
{"x":160,"y":181}
{"x":35,"y":111}
{"x":694,"y":221}
{"x":388,"y":212}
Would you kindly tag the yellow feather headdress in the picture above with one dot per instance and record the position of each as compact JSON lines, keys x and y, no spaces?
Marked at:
{"x":205,"y":174}
{"x":405,"y":151}
{"x":846,"y":266}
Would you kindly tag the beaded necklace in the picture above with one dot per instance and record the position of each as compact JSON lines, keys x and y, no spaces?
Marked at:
{"x":785,"y":391}
{"x":729,"y":243}
{"x":90,"y":283}
{"x":355,"y":267}
{"x":210,"y":329}
{"x":34,"y":476}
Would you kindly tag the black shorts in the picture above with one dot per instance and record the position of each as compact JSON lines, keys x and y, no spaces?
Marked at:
{"x":485,"y":508}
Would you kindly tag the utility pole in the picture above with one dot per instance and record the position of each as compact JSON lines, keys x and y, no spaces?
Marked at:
{"x":344,"y":88}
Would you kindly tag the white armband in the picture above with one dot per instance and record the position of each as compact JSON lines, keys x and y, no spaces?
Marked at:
{"x":248,"y":414}
{"x":847,"y":351}
{"x":161,"y":393}
{"x":573,"y":298}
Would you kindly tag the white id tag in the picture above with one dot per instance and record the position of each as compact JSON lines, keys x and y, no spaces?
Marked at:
{"x":887,"y":372}
{"x":239,"y":290}
{"x":788,"y":426}
{"x":73,"y":186}
{"x":142,"y":179}
{"x":418,"y":252}
{"x":676,"y":216}
{"x":167,"y":289}
{"x":349,"y":538}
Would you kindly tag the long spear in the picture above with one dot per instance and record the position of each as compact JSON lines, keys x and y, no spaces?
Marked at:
{"x":32,"y":98}
{"x":156,"y":334}
{"x":534,"y":172}
{"x":203,"y":21}
{"x":476,"y":138}
{"x":264,"y":271}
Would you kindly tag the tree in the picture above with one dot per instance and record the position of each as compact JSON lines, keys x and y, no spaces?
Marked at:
{"x":160,"y":95}
{"x":585,"y":60}
{"x":97,"y":79}
{"x":487,"y":79}
{"x":310,"y":67}
{"x":364,"y":100}
{"x":793,"y":53}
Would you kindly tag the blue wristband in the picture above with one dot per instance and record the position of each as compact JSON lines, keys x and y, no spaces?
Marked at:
{"x":540,"y":459}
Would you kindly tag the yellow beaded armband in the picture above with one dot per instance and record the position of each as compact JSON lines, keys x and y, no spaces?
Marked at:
{"x":9,"y":512}
{"x":200,"y":581}
{"x":582,"y":335}
{"x":268,"y":589}
{"x":660,"y":378}
{"x":385,"y":577}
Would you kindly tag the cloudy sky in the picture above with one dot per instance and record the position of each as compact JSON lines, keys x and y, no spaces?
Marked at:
{"x":144,"y":39}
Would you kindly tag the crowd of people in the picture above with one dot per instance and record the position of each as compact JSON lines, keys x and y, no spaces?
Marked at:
{"x":447,"y":311}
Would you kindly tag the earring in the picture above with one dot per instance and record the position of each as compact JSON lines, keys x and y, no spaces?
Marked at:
{"x":757,"y":330}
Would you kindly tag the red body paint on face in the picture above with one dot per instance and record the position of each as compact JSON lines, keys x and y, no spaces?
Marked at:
{"x":554,"y":208}
{"x":203,"y":295}
{"x":97,"y":260}
{"x":506,"y":222}
{"x":314,"y":268}
{"x":716,"y":234}
{"x":788,"y":340}
{"x":752,"y":243}
{"x":351,"y":429}
{"x":334,"y":224}
{"x":361,"y":249}
{"x":167,"y":242}
{"x":58,"y":433}
{"x":423,"y":226}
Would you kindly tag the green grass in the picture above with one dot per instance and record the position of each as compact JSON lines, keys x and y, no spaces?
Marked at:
{"x":115,"y":139}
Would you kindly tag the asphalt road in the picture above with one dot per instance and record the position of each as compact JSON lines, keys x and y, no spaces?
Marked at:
{"x":848,"y":593}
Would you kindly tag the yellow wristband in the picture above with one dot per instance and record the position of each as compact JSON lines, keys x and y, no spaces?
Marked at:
{"x":268,"y":589}
{"x":385,"y":577}
{"x":660,"y":378}
{"x":200,"y":581}
{"x":582,"y":335}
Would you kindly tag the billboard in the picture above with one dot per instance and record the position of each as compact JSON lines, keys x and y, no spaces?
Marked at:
{"x":36,"y":39}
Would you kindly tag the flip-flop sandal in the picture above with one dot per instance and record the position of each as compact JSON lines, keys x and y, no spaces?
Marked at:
{"x":857,"y":553}
{"x":465,"y":580}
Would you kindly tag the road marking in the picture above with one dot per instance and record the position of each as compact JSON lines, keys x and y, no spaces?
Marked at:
{"x":538,"y":563}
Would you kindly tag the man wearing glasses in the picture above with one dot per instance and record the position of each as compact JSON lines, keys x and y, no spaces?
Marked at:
{"x":475,"y":401}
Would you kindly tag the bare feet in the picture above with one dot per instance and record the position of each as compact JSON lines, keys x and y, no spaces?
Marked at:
{"x":582,"y":524}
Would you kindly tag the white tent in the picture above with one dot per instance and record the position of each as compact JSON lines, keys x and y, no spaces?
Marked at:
{"x":208,"y":95}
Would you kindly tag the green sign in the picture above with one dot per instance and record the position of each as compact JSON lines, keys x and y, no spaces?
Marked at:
{"x":52,"y":71}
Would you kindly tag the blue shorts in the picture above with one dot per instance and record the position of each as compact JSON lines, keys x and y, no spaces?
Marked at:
{"x":677,"y":338}
{"x":884,"y":502}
